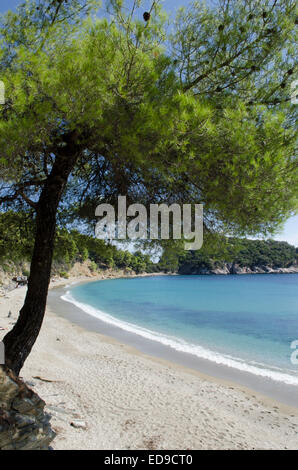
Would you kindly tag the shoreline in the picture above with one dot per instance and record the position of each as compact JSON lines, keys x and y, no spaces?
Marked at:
{"x":278,"y":391}
{"x":131,"y":400}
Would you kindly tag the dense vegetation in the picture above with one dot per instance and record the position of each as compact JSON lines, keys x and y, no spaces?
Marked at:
{"x":17,"y":239}
{"x":264,"y":253}
{"x":242,"y":252}
{"x":17,"y":236}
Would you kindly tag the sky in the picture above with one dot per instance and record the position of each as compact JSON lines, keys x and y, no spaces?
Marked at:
{"x":290,"y":231}
{"x":170,"y":5}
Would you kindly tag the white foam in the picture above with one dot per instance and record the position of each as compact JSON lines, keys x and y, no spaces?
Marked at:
{"x":180,"y":345}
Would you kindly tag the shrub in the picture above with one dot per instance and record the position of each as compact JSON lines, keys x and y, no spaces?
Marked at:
{"x":64,"y":274}
{"x":93,"y":266}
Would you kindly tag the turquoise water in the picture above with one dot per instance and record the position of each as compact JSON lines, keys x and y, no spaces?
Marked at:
{"x":247,"y":322}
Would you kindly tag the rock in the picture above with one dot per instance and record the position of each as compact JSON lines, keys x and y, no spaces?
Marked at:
{"x":30,"y":383}
{"x":20,"y":280}
{"x":221,"y":271}
{"x":78,"y":424}
{"x":24,"y":425}
{"x":234,"y":268}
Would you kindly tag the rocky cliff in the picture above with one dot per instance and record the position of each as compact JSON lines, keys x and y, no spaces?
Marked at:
{"x":232,"y":268}
{"x":24,"y":425}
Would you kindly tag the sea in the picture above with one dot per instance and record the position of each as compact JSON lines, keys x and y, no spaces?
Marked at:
{"x":246,"y":322}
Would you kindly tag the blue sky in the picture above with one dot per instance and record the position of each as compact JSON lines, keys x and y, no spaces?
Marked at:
{"x":290,"y":232}
{"x":170,"y":5}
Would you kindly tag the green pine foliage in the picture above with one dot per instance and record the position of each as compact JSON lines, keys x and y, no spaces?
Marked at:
{"x":202,"y":115}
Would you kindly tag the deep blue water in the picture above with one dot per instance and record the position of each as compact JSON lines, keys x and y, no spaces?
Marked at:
{"x":247,"y":321}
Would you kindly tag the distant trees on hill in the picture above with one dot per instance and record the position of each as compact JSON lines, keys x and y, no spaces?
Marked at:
{"x":17,"y":239}
{"x":243,"y":252}
{"x":16,"y":244}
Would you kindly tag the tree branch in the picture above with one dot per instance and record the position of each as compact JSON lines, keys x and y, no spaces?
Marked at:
{"x":28,"y":200}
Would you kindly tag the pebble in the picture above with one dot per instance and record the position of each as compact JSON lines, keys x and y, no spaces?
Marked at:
{"x":78,"y":424}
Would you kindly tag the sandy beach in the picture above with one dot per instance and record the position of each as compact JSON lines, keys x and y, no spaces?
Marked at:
{"x":123,"y":399}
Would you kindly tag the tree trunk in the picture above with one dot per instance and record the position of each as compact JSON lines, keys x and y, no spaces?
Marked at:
{"x":20,"y":340}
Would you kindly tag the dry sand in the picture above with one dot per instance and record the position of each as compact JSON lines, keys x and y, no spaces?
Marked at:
{"x":130,"y":401}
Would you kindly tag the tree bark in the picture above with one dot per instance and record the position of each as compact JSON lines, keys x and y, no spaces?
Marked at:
{"x":20,"y":340}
